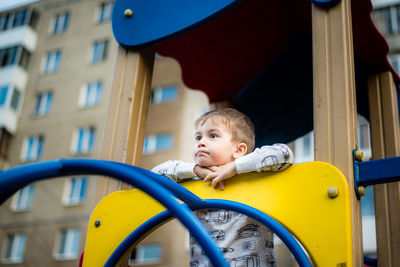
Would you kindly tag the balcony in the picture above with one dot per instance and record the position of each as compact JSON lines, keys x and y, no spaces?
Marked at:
{"x":23,"y":35}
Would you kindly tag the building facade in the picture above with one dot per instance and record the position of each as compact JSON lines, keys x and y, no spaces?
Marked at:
{"x":57,"y":60}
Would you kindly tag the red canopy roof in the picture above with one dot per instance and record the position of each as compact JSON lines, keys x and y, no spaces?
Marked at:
{"x":223,"y":55}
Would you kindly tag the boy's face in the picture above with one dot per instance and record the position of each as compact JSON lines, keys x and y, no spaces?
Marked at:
{"x":213,"y":145}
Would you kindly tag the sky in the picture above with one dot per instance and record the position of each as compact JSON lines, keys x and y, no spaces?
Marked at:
{"x":8,"y":4}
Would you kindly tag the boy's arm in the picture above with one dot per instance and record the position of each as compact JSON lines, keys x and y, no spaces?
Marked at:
{"x":267,"y":158}
{"x":175,"y":170}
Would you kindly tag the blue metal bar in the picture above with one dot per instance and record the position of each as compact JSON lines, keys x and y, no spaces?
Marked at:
{"x":14,"y":179}
{"x":268,"y":221}
{"x":179,"y":191}
{"x":379,"y":171}
{"x":370,"y":262}
{"x":136,"y":235}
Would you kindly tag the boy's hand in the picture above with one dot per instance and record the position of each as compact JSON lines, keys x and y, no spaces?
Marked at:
{"x":219,"y":173}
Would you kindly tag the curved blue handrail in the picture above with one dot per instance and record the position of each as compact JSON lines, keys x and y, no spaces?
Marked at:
{"x":160,"y":218}
{"x":16,"y":178}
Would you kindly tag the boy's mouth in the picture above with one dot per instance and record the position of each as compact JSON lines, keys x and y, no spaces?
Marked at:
{"x":201,"y":153}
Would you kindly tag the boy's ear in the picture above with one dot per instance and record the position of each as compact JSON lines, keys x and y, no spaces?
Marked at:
{"x":241,"y":150}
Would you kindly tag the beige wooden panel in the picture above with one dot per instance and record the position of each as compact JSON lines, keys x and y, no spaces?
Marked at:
{"x":335,"y":118}
{"x":385,"y":137}
{"x":127,"y":113}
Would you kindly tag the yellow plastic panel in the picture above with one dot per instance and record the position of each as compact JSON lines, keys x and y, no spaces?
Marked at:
{"x":297,"y":198}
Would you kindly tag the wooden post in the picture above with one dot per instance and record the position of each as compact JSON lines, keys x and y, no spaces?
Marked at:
{"x":385,"y":137}
{"x":335,"y":117}
{"x":127,"y":113}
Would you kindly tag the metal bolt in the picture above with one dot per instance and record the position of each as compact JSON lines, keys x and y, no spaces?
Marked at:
{"x":333,"y":192}
{"x":359,"y":155}
{"x":97,"y":223}
{"x":361,"y":190}
{"x":128,"y":13}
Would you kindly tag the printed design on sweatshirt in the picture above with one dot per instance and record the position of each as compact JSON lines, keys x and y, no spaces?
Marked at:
{"x":248,"y":245}
{"x":271,"y":260}
{"x":269,"y":244}
{"x":252,"y":260}
{"x":216,"y":216}
{"x":224,"y":250}
{"x":249,"y":230}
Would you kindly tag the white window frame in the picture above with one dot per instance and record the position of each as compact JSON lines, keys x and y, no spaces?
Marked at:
{"x":51,"y":62}
{"x":59,"y":23}
{"x":394,"y":60}
{"x":75,"y":190}
{"x":140,"y":255}
{"x":71,"y":244}
{"x":87,"y":145}
{"x":367,"y":150}
{"x":23,"y":199}
{"x":150,"y":143}
{"x":16,"y":94}
{"x":104,"y":12}
{"x":300,"y":155}
{"x":18,"y":242}
{"x":99,"y":51}
{"x":34,"y":151}
{"x":90,"y":94}
{"x":43,"y":103}
{"x":157,"y":94}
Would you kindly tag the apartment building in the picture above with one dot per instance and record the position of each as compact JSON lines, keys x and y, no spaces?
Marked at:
{"x":57,"y":60}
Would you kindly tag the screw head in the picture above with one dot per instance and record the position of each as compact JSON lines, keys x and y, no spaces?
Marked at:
{"x":361,"y":190}
{"x":97,"y":223}
{"x":128,"y":12}
{"x":333,"y":192}
{"x":359,"y":155}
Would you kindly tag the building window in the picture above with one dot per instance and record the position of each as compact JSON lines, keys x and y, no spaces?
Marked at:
{"x":75,"y":190}
{"x":99,"y":51}
{"x":163,"y":94}
{"x":60,"y":23}
{"x":14,"y":248}
{"x":104,"y":14}
{"x":394,"y":60}
{"x":23,"y":199}
{"x":90,"y":94}
{"x":3,"y":95}
{"x":43,"y":103}
{"x":14,"y":19}
{"x":146,"y":254}
{"x":32,"y":148}
{"x":52,"y":62}
{"x":304,"y":148}
{"x":8,"y":56}
{"x":68,"y":244}
{"x":15,"y":99}
{"x":387,"y":19}
{"x":364,"y":137}
{"x":157,"y":143}
{"x":83,"y":141}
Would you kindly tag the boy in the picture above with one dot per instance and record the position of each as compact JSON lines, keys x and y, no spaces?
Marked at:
{"x":224,"y":140}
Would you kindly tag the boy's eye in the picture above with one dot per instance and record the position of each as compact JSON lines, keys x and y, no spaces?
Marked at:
{"x":213,"y":135}
{"x":198,"y":138}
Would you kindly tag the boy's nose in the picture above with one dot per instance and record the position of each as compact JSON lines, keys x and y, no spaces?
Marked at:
{"x":200,"y":143}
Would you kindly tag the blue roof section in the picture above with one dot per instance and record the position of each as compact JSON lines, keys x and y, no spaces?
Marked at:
{"x":152,"y":23}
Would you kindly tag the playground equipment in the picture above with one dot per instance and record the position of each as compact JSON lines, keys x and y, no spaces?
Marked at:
{"x":310,"y":201}
{"x":326,"y":233}
{"x":306,"y":57}
{"x":333,"y":79}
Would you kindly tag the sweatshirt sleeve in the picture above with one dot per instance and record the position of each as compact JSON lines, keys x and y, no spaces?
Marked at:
{"x":175,"y":170}
{"x":267,"y":158}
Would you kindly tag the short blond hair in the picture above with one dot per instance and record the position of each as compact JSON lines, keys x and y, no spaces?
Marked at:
{"x":237,"y":124}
